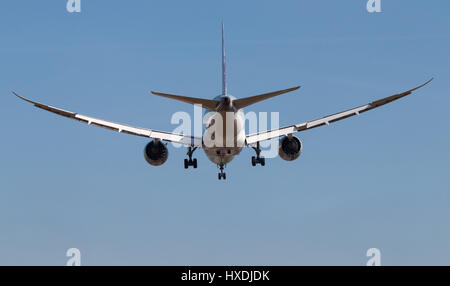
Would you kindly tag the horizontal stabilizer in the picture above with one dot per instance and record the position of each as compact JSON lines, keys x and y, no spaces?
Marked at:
{"x":244,"y":102}
{"x":206,"y":103}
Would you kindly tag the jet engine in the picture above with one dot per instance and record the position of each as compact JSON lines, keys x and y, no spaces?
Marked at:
{"x":156,"y":153}
{"x":290,"y":149}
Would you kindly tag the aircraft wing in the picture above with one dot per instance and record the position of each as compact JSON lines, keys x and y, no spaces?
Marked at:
{"x":121,"y":128}
{"x":288,"y":130}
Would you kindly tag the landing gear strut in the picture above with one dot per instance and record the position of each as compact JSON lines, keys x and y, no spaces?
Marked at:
{"x":222,"y":174}
{"x":190,"y":161}
{"x":258,"y":159}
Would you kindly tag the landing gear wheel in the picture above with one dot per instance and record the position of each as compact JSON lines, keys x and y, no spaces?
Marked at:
{"x":190,"y":161}
{"x":222,"y":174}
{"x":195,"y":163}
{"x":258,"y":159}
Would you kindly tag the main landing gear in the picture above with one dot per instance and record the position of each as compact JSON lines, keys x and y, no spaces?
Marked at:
{"x":222,"y":174}
{"x":190,"y":162}
{"x":258,"y":159}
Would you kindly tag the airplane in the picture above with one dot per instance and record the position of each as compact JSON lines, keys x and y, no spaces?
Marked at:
{"x":290,"y":146}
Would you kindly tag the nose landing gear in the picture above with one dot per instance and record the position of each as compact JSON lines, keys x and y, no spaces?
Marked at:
{"x":222,"y":174}
{"x":258,"y":159}
{"x":190,"y":161}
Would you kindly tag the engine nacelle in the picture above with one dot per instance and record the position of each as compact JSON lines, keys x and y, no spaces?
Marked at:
{"x":290,"y":149}
{"x":156,"y":153}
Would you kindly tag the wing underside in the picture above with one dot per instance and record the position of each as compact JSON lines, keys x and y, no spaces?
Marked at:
{"x":121,"y":128}
{"x":288,"y":130}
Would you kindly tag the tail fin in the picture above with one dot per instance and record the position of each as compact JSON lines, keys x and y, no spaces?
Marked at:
{"x":210,"y":104}
{"x":243,"y":102}
{"x":224,"y":71}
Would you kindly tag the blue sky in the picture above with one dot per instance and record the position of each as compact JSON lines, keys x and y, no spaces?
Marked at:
{"x":379,"y":180}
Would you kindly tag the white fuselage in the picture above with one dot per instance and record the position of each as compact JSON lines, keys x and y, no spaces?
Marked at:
{"x":224,"y":136}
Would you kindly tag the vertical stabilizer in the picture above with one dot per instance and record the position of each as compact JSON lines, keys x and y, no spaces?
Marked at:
{"x":224,"y":71}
